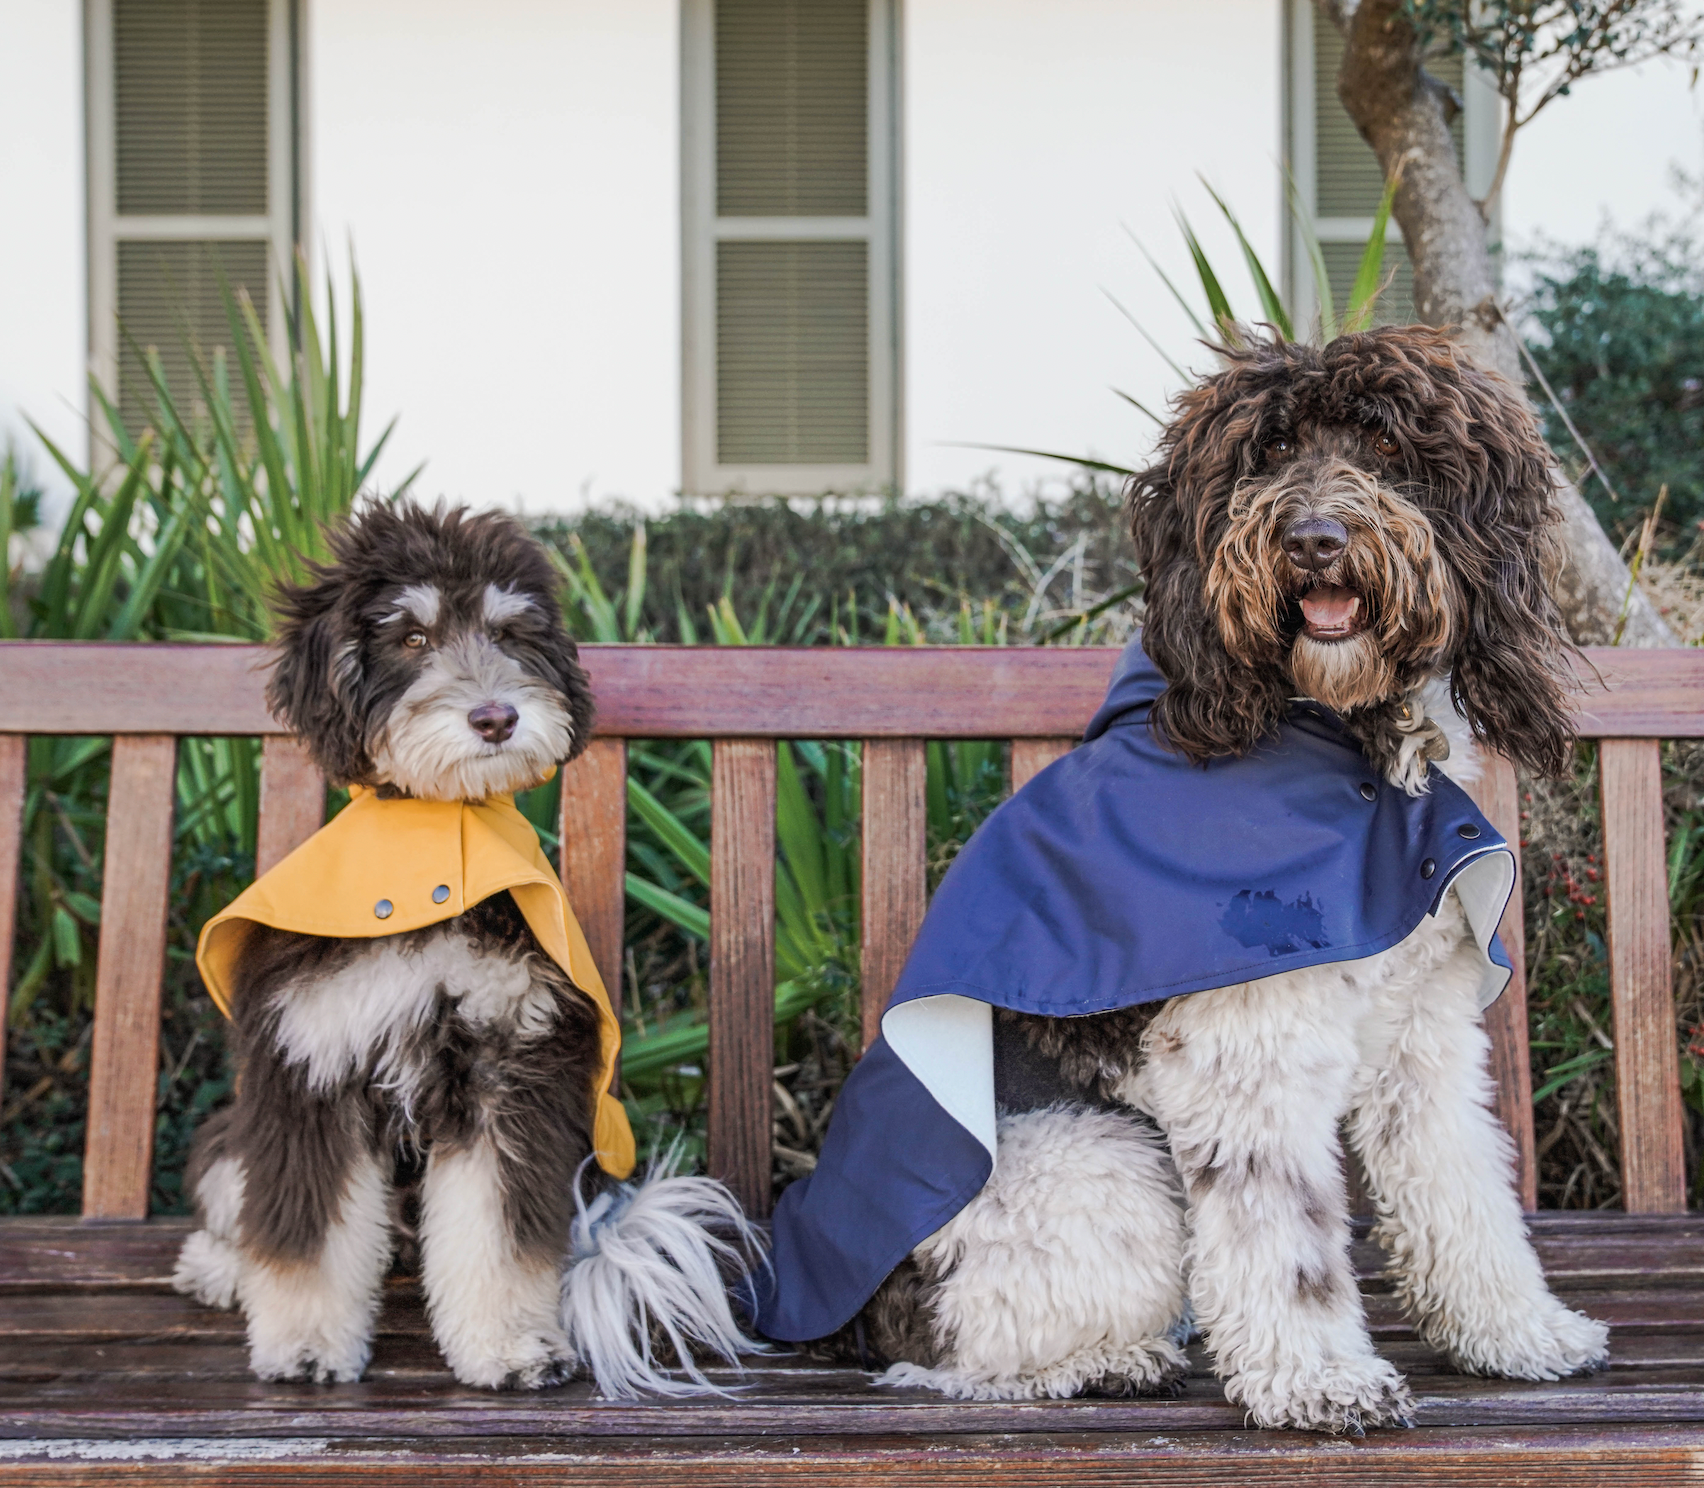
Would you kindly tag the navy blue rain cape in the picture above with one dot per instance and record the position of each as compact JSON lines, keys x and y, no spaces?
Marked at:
{"x":1120,"y":874}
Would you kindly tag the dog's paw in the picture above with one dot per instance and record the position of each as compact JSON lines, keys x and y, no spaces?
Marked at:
{"x":1541,"y":1343}
{"x":533,"y":1361}
{"x":310,"y":1363}
{"x":208,"y":1269}
{"x":1339,"y":1396}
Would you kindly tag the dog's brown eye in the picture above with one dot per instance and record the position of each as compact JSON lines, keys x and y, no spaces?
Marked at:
{"x":1276,"y":449}
{"x":414,"y":640}
{"x":1386,"y":445}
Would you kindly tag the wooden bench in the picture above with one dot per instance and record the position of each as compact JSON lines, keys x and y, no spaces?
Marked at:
{"x":105,"y":1372}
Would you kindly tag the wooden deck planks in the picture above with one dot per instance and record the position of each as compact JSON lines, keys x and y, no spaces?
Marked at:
{"x":594,"y":853}
{"x":1647,"y":1062}
{"x":1602,"y":1457}
{"x":895,"y":846}
{"x":292,"y":801}
{"x":106,"y":1361}
{"x":1497,"y":794}
{"x":742,"y":967}
{"x":124,"y":1058}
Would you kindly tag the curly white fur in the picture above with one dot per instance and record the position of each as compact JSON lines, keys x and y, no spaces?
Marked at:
{"x":1072,"y":1262}
{"x":1066,"y":1270}
{"x":649,"y":1257}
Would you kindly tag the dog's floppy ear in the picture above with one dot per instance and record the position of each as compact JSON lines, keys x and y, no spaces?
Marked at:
{"x":1493,"y":506}
{"x":311,"y":675}
{"x":571,"y":678}
{"x":1213,"y":705}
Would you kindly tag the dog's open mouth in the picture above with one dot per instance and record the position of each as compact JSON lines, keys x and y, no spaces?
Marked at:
{"x":1331,"y":612}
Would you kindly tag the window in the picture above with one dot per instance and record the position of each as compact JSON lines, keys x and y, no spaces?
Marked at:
{"x":788,"y":213}
{"x":1337,"y":176}
{"x":191,"y":177}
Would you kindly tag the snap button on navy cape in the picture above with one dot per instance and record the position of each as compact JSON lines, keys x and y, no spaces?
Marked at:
{"x":1120,"y":874}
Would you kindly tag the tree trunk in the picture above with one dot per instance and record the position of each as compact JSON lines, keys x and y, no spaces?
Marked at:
{"x":1404,"y":114}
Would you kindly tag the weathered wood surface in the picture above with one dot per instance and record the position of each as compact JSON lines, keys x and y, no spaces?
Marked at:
{"x":292,"y":801}
{"x":1486,"y":1458}
{"x":955,"y":692}
{"x":594,"y":853}
{"x":1497,"y":794}
{"x":14,"y":772}
{"x":98,"y":1357}
{"x":100,"y":1347}
{"x":742,"y":967}
{"x":894,"y":849}
{"x":124,"y":1055}
{"x":1647,"y":1062}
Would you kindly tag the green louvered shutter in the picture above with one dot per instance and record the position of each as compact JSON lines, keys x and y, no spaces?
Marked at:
{"x":794,"y":265}
{"x":194,"y":199}
{"x":1348,"y":182}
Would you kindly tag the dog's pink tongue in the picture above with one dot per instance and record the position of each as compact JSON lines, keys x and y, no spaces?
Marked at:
{"x":1330,"y":608}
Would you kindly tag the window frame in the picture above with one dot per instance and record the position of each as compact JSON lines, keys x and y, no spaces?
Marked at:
{"x":281,"y":225}
{"x":702,"y":230}
{"x":1481,"y":125}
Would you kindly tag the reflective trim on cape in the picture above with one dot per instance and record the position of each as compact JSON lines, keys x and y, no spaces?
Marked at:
{"x":401,"y":851}
{"x":1121,"y":874}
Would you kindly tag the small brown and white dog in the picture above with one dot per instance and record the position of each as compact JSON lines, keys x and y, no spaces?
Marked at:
{"x":437,"y":1086}
{"x":1370,"y":525}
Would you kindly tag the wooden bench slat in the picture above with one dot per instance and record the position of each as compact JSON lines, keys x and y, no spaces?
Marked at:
{"x":292,"y":801}
{"x":1497,"y":794}
{"x":1031,"y":756}
{"x":686,"y":692}
{"x":124,"y":1058}
{"x":742,"y":967}
{"x":14,"y":777}
{"x":594,"y":853}
{"x":895,"y":848}
{"x":1647,"y":1062}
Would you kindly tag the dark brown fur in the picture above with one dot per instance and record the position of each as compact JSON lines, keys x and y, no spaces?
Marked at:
{"x":1468,"y":456}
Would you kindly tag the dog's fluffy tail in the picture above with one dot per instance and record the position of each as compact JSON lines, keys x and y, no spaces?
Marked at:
{"x":655,"y":1261}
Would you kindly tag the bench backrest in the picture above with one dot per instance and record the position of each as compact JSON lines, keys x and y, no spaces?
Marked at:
{"x":744,"y":699}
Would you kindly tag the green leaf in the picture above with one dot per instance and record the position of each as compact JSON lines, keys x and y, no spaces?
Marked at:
{"x":1217,"y":301}
{"x":1370,"y":276}
{"x":67,"y":938}
{"x":1271,"y":306}
{"x":1083,"y":460}
{"x":1301,"y":219}
{"x":86,"y":909}
{"x":693,"y":855}
{"x":683,"y":913}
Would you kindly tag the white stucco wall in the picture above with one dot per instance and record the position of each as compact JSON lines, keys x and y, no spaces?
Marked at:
{"x":43,"y":335}
{"x":1607,"y":153}
{"x":1034,"y":135}
{"x":507,"y":175}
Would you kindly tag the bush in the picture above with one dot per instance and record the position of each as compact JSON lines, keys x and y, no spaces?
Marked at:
{"x":1622,"y":343}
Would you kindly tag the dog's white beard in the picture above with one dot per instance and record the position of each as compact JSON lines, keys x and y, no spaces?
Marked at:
{"x":429,"y":749}
{"x":1347,"y":674}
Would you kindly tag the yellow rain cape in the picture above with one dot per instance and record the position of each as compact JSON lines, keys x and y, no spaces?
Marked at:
{"x":381,"y":867}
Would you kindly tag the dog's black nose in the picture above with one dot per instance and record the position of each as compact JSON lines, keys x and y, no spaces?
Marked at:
{"x":494,"y":722}
{"x":1315,"y":542}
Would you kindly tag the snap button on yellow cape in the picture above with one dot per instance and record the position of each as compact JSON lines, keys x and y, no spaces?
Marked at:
{"x":425,"y":862}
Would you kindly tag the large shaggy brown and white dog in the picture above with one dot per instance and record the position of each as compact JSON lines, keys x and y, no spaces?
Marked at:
{"x":436,"y":1087}
{"x":1369,"y":525}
